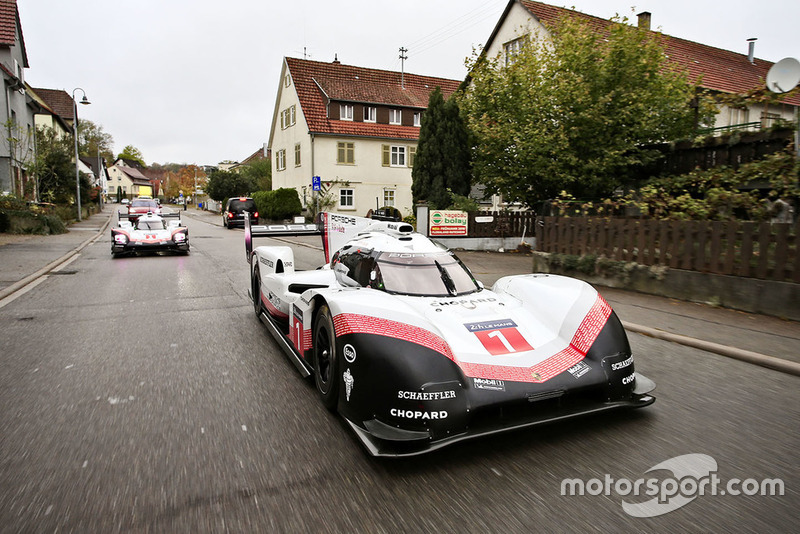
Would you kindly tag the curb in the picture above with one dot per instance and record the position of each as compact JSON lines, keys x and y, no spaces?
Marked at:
{"x":16,"y":286}
{"x":771,"y":362}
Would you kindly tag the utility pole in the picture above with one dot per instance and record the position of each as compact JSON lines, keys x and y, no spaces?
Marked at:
{"x":403,"y":58}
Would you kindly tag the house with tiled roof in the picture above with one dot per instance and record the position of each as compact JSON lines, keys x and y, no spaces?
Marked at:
{"x":259,"y":155}
{"x":15,"y":104}
{"x":59,"y":102}
{"x":356,"y":128}
{"x":720,"y":71}
{"x":124,"y":175}
{"x":45,"y":115}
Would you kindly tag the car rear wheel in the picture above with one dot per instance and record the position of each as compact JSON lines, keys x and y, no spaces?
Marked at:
{"x":256,"y":290}
{"x":326,"y":359}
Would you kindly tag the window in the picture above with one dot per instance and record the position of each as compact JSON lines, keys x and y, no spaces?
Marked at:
{"x":412,"y":155}
{"x":345,"y":153}
{"x":769,"y":119}
{"x":417,"y":119}
{"x":388,"y":197}
{"x":280,"y":159}
{"x":287,"y":80}
{"x":739,"y":116}
{"x":297,"y":155}
{"x":287,"y":117}
{"x":370,"y":114}
{"x":395,"y":116}
{"x":345,"y":198}
{"x":398,"y":156}
{"x":512,"y":50}
{"x":346,"y":112}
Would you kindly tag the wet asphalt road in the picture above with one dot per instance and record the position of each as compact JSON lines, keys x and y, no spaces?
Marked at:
{"x":142,"y":395}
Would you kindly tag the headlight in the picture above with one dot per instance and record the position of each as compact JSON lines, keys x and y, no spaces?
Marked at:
{"x":180,"y":237}
{"x":120,"y":239}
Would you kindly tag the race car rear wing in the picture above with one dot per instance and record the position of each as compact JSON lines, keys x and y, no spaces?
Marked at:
{"x":274,"y":230}
{"x":130,"y":216}
{"x":335,"y":229}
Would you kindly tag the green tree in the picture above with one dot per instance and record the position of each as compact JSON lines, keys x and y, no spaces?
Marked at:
{"x":223,"y":185}
{"x":132,"y":153}
{"x":92,"y":139}
{"x":572,"y":114}
{"x":54,"y":168}
{"x":442,"y":161}
{"x":260,"y":173}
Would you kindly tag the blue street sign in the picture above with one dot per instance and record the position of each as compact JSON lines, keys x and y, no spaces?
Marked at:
{"x":316,"y":184}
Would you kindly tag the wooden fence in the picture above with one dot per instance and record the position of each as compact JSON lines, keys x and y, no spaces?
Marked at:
{"x":750,"y":249}
{"x":502,"y":224}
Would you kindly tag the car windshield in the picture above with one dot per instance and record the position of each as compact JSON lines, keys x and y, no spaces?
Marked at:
{"x":152,"y":224}
{"x":140,"y":203}
{"x":242,"y":205}
{"x":434,"y":275}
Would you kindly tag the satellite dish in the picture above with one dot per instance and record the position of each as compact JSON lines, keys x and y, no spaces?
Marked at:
{"x":784,"y":75}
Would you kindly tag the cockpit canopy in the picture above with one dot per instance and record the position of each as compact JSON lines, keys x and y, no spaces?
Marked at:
{"x":430,"y":274}
{"x":150,"y":223}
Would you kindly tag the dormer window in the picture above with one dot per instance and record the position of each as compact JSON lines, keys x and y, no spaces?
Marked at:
{"x":370,"y":114}
{"x":417,"y":119}
{"x":346,"y":112}
{"x":395,"y":116}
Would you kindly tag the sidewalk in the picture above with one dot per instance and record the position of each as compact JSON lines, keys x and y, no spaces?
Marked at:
{"x":714,"y":329}
{"x":22,"y":256}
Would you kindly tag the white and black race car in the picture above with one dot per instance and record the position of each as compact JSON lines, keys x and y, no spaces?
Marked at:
{"x":415,"y":354}
{"x":149,"y":233}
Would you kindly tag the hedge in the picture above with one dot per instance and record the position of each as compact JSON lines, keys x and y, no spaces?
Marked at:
{"x":279,"y":204}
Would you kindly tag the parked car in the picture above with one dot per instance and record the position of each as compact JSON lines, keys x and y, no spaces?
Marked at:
{"x":233,"y":215}
{"x":125,"y":201}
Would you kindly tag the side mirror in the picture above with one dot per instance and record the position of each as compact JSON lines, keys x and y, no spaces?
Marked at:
{"x":342,"y":273}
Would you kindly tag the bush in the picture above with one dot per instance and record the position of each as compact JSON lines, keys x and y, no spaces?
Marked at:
{"x":279,"y":204}
{"x":27,"y":222}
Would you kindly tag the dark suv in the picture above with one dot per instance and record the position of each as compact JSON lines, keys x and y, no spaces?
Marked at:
{"x":234,"y":212}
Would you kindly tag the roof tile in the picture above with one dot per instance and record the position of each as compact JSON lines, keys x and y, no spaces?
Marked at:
{"x":717,"y":69}
{"x":8,"y":22}
{"x":317,"y":83}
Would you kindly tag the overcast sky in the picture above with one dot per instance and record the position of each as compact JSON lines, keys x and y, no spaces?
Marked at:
{"x":195,"y":81}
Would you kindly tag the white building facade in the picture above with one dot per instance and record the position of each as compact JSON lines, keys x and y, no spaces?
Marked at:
{"x":355,"y":128}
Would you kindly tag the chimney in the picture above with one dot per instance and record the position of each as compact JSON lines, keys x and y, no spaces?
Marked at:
{"x":644,"y":20}
{"x":336,"y":59}
{"x":751,"y":49}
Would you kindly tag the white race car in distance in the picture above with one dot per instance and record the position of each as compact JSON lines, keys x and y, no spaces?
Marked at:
{"x":149,"y":233}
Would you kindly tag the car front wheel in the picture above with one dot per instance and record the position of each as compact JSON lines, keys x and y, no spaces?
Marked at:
{"x":326,"y":359}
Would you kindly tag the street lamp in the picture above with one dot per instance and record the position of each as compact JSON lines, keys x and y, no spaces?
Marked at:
{"x":84,"y":101}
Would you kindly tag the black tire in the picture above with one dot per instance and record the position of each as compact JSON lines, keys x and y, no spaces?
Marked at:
{"x":326,"y":359}
{"x":255,"y":289}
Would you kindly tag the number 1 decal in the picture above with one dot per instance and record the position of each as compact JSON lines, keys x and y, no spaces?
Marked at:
{"x":503,"y":340}
{"x":500,"y":337}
